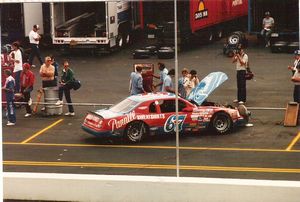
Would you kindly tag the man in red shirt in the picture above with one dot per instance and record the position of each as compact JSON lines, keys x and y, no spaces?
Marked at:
{"x":27,"y":81}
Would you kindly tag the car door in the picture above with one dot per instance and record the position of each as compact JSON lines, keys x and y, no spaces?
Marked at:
{"x":168,"y":110}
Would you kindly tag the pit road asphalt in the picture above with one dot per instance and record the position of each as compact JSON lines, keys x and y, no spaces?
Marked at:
{"x":57,"y":144}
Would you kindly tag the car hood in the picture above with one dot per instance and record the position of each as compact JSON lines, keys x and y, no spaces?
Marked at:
{"x":207,"y":86}
{"x":107,"y":114}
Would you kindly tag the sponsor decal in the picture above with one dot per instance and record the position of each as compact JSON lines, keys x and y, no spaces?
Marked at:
{"x":170,"y":124}
{"x":116,"y":124}
{"x":150,"y":116}
{"x":237,"y":2}
{"x":202,"y":11}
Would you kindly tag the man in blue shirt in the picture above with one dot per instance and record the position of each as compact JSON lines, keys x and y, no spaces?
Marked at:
{"x":9,"y":87}
{"x":137,"y":82}
{"x":162,"y":74}
{"x":168,"y":85}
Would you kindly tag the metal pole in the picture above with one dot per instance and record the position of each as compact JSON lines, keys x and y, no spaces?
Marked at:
{"x":176,"y":88}
{"x":299,"y":21}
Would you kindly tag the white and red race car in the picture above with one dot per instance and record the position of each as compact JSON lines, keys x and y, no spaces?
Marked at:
{"x":139,"y":116}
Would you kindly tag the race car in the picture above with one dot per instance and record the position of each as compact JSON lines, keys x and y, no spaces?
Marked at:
{"x":139,"y":116}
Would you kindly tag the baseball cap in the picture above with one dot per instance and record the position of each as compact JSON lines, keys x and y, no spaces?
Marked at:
{"x":267,"y":13}
{"x":297,"y":52}
{"x":26,"y":66}
{"x":36,"y":26}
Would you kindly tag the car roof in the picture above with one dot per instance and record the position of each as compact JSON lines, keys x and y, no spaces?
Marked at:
{"x":151,"y":96}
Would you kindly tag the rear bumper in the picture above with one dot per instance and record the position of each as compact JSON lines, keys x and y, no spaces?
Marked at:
{"x":101,"y":134}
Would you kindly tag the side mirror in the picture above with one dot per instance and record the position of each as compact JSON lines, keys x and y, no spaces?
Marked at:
{"x":187,"y":109}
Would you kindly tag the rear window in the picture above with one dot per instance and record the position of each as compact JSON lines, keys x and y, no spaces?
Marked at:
{"x":124,"y":106}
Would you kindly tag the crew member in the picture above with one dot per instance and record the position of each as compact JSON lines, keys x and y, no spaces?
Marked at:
{"x":296,"y":79}
{"x":168,"y":85}
{"x":137,"y":82}
{"x":27,"y":82}
{"x":34,"y":40}
{"x":267,"y":26}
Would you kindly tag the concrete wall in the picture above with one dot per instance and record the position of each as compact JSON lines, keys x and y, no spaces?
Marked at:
{"x":71,"y":187}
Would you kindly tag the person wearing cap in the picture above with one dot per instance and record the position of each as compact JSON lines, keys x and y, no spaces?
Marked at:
{"x":183,"y":82}
{"x":16,"y":57}
{"x":296,"y":62}
{"x":296,"y":79}
{"x":27,"y":82}
{"x":34,"y":40}
{"x":193,"y":81}
{"x":168,"y":85}
{"x":267,"y":26}
{"x":9,"y":88}
{"x":47,"y":72}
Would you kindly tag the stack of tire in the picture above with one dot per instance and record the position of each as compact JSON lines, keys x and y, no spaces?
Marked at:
{"x":164,"y":52}
{"x":234,"y":41}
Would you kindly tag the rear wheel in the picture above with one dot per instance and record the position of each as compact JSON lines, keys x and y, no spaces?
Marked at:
{"x":136,"y":131}
{"x":221,"y":123}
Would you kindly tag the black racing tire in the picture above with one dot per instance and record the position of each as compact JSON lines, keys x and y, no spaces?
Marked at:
{"x":136,"y":131}
{"x":165,"y":53}
{"x":141,"y":54}
{"x":221,"y":123}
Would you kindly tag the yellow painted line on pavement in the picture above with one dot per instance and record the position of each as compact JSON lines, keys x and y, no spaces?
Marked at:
{"x":42,"y":131}
{"x":294,"y":141}
{"x":152,"y":166}
{"x":151,"y":147}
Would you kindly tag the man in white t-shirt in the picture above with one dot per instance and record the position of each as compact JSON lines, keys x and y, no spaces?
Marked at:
{"x":241,"y":60}
{"x":16,"y":57}
{"x":267,"y":26}
{"x":296,"y":79}
{"x":34,"y":40}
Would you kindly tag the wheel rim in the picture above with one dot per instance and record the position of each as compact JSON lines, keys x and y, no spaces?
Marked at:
{"x":234,"y":40}
{"x":120,"y":43}
{"x":127,"y":39}
{"x":221,"y":123}
{"x":136,"y":131}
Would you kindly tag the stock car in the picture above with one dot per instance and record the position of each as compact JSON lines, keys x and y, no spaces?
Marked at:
{"x":139,"y":116}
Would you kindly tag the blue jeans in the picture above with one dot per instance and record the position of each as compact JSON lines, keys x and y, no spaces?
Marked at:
{"x":11,"y":112}
{"x":17,"y":80}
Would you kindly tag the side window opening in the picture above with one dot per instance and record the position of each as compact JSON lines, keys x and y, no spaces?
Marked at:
{"x":152,"y":108}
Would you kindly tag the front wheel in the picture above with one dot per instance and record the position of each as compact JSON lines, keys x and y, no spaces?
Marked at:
{"x":136,"y":131}
{"x":221,"y":123}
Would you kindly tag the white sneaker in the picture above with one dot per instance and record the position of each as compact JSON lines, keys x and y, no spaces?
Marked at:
{"x":43,"y":109}
{"x":10,"y":124}
{"x":33,"y":66}
{"x":27,"y":115}
{"x":59,"y":102}
{"x":248,"y":124}
{"x":30,"y":102}
{"x":70,"y":114}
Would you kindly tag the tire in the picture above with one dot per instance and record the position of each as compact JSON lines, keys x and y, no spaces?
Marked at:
{"x":165,"y":53}
{"x":136,"y":131}
{"x":141,"y":54}
{"x":221,"y":123}
{"x":234,"y":38}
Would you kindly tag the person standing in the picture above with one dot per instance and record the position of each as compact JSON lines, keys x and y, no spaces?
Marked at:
{"x":47,"y":72}
{"x":296,"y":62}
{"x":66,"y":84}
{"x":241,"y":60}
{"x":9,"y":87}
{"x":182,"y":82}
{"x":27,"y":82}
{"x":168,"y":85}
{"x":56,"y":67}
{"x":137,"y":82}
{"x":163,"y":73}
{"x":296,"y":79}
{"x":34,"y":40}
{"x":193,"y":81}
{"x":16,"y":57}
{"x":267,"y":26}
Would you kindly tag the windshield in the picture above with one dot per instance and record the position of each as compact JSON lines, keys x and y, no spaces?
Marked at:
{"x":124,"y":106}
